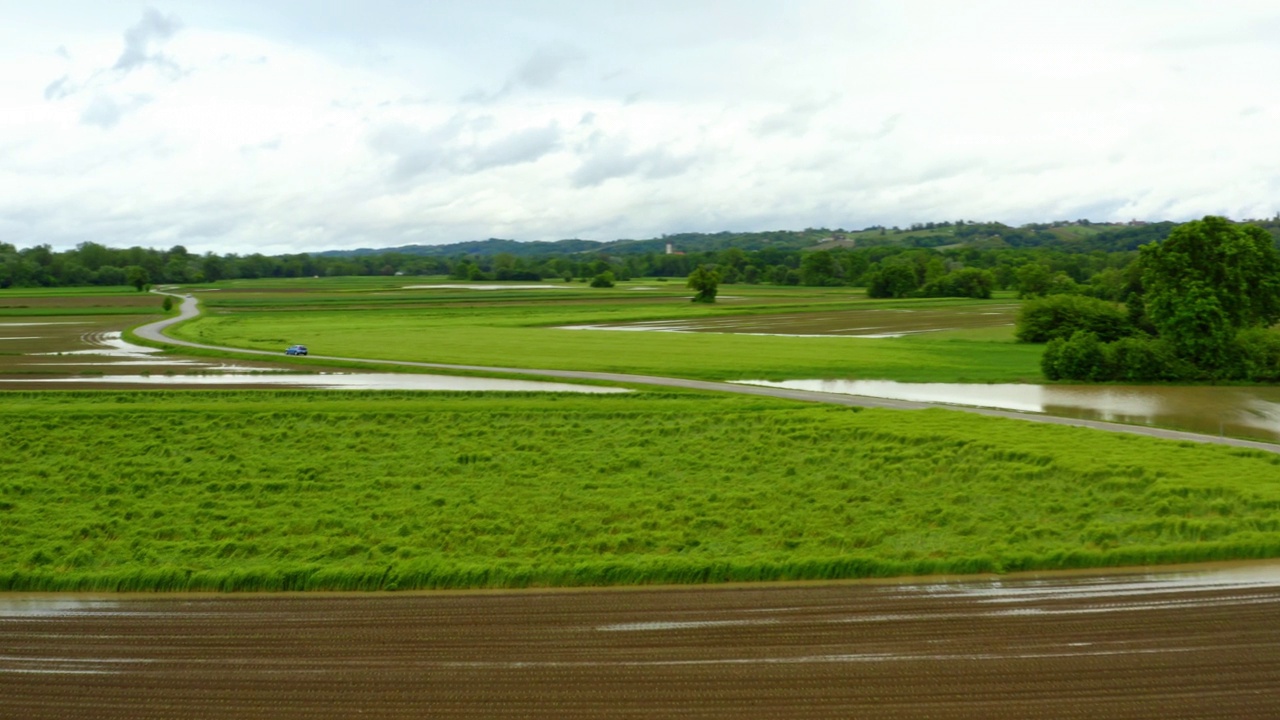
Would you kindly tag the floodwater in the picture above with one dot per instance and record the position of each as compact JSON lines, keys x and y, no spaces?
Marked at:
{"x":333,"y":381}
{"x":863,"y":323}
{"x":1244,"y":411}
{"x":1187,"y":643}
{"x":477,"y":286}
{"x":90,"y":355}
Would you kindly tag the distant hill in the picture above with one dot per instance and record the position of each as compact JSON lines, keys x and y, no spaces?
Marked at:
{"x":492,"y":246}
{"x":1079,"y":236}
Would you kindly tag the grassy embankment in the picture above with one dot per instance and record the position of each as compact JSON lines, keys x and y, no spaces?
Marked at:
{"x":306,"y":490}
{"x":515,"y":328}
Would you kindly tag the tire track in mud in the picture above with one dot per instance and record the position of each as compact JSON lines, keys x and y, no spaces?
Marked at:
{"x":95,"y":338}
{"x":1116,"y":648}
{"x":154,"y":332}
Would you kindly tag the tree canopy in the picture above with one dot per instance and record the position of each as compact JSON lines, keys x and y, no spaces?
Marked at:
{"x":1206,"y":282}
{"x":704,"y":282}
{"x":1206,"y":299}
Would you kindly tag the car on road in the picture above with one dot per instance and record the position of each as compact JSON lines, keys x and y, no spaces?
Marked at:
{"x":296,"y":350}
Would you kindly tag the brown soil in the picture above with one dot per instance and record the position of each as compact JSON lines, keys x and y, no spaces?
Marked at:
{"x":10,"y":301}
{"x":1063,"y":648}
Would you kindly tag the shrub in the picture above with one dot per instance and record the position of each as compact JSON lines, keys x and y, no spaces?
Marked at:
{"x":892,"y":281}
{"x":1142,"y":359}
{"x":966,"y":282}
{"x":603,"y":280}
{"x":1080,"y":358}
{"x":1255,"y":355}
{"x":1060,"y":316}
{"x":705,"y":283}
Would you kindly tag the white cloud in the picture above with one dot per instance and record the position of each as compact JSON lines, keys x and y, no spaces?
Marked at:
{"x":237,"y":128}
{"x":153,"y":29}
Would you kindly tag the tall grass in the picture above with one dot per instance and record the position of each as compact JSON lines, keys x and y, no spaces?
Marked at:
{"x":304,"y":491}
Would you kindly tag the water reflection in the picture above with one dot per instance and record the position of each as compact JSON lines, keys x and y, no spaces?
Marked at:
{"x":335,"y":381}
{"x":1252,"y":412}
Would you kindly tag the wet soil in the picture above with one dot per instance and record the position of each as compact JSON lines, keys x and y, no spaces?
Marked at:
{"x":89,"y":349}
{"x":863,"y":323}
{"x":1063,"y":648}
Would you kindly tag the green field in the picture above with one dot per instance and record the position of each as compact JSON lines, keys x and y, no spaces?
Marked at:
{"x":374,"y":317}
{"x":309,"y":490}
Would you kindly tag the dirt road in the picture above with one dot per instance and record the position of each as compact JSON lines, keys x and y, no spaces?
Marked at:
{"x":154,"y":332}
{"x":1158,"y":646}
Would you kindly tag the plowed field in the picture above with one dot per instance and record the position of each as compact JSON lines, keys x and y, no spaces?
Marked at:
{"x":1141,"y":646}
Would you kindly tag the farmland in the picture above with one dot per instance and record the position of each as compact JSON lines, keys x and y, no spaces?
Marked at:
{"x":378,"y":317}
{"x":275,"y":490}
{"x":304,"y":490}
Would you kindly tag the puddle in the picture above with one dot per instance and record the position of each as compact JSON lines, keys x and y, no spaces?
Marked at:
{"x":1251,"y":412}
{"x":60,"y":607}
{"x":111,"y":344}
{"x":680,"y":625}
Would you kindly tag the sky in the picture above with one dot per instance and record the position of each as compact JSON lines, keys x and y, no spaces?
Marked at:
{"x":293,"y":126}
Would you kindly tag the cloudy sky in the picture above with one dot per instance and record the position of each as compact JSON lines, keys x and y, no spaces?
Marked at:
{"x":295,"y":126}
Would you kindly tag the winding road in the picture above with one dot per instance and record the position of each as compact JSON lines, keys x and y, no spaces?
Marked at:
{"x":189,"y":309}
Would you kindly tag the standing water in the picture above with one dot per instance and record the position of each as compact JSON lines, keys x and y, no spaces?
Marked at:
{"x":1246,"y":411}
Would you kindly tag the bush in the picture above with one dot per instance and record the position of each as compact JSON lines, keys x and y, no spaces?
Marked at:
{"x":705,"y":282}
{"x":1081,"y":358}
{"x":966,"y":282}
{"x":1142,"y":359}
{"x":1060,"y":316}
{"x":1255,"y":355}
{"x":892,"y":281}
{"x":603,"y":280}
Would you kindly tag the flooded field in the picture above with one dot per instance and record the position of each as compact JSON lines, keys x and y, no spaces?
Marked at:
{"x":86,"y":353}
{"x":1200,"y":644}
{"x":1247,"y":411}
{"x":481,"y":286}
{"x":868,"y":323}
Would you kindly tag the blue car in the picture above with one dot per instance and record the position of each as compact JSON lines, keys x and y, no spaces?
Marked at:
{"x":296,"y":350}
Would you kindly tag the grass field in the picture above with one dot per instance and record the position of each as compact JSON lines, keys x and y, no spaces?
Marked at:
{"x":376,"y":317}
{"x":307,"y":490}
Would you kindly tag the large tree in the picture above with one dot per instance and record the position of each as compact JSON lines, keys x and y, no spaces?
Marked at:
{"x":704,"y":282}
{"x":1207,"y":281}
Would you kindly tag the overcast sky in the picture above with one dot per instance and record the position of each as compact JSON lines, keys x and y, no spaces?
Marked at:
{"x":294,"y":126}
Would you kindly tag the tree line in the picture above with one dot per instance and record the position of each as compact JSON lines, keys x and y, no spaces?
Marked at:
{"x":888,"y":271}
{"x":982,"y":257}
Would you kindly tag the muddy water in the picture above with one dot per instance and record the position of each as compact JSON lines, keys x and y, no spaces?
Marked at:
{"x":87,"y":354}
{"x":868,"y":323}
{"x":1252,"y":412}
{"x":327,"y":381}
{"x":1200,"y":644}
